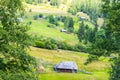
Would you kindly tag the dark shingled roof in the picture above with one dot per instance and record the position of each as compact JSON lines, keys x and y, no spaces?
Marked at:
{"x":66,"y":65}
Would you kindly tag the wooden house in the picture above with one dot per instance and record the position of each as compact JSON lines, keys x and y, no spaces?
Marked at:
{"x":68,"y":66}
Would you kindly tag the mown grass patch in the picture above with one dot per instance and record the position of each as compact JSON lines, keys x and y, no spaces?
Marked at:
{"x":39,"y":28}
{"x":55,"y":56}
{"x":69,"y":76}
{"x":49,"y":58}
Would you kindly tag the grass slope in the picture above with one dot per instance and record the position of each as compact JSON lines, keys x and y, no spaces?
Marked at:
{"x":69,"y":76}
{"x":39,"y":27}
{"x":51,"y":57}
{"x":46,"y":8}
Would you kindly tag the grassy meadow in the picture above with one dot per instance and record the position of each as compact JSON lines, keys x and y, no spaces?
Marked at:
{"x":40,"y":28}
{"x":97,"y":70}
{"x":69,"y":76}
{"x":48,"y":58}
{"x":48,"y":32}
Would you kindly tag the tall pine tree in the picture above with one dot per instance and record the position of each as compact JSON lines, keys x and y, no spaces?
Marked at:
{"x":111,"y":42}
{"x":81,"y":32}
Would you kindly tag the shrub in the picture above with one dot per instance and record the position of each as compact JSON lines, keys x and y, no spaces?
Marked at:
{"x":69,"y":24}
{"x":63,"y":18}
{"x":30,"y":10}
{"x":18,"y":76}
{"x":51,"y":25}
{"x":64,"y":45}
{"x":40,"y":15}
{"x":35,"y":17}
{"x":40,"y":44}
{"x":48,"y":44}
{"x":54,"y":2}
{"x":80,"y":47}
{"x":52,"y":20}
{"x":29,"y":23}
{"x":53,"y":44}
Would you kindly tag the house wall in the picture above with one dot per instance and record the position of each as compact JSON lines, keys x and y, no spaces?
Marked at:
{"x":65,"y":70}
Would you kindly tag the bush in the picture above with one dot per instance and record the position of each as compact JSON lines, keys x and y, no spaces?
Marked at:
{"x":51,"y":25}
{"x":54,"y":2}
{"x":50,"y":44}
{"x":29,"y":23}
{"x":65,"y":46}
{"x":47,"y":43}
{"x":40,"y":15}
{"x":40,"y":44}
{"x":35,"y":17}
{"x":53,"y":44}
{"x":18,"y":76}
{"x":81,"y":48}
{"x":52,"y":20}
{"x":63,"y":18}
{"x":30,"y":10}
{"x":69,"y":24}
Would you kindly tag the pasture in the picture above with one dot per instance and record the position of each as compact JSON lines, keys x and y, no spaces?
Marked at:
{"x":48,"y":58}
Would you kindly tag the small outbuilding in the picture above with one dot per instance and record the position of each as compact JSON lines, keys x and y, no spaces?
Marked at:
{"x":63,"y":30}
{"x":68,"y":66}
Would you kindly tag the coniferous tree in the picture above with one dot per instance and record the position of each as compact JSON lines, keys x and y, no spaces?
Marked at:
{"x":69,"y":24}
{"x":54,"y":2}
{"x":81,"y":32}
{"x":111,"y":42}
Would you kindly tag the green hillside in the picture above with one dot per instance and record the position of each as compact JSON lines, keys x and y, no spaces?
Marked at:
{"x":40,"y":28}
{"x":96,"y":70}
{"x":48,"y":58}
{"x":59,"y":39}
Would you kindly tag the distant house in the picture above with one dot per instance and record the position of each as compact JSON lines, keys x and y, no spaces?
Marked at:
{"x":67,"y":66}
{"x":63,"y":30}
{"x":43,"y":17}
{"x":83,"y":18}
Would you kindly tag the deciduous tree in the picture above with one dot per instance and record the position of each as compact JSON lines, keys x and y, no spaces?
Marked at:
{"x":14,"y":39}
{"x":111,"y":42}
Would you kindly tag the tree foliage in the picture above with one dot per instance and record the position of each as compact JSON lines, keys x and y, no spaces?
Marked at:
{"x":53,"y":20}
{"x":111,"y":10}
{"x":86,"y":34}
{"x":34,"y":1}
{"x":54,"y":2}
{"x":14,"y":39}
{"x":90,"y":7}
{"x":110,"y":42}
{"x":81,"y":32}
{"x":69,"y":24}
